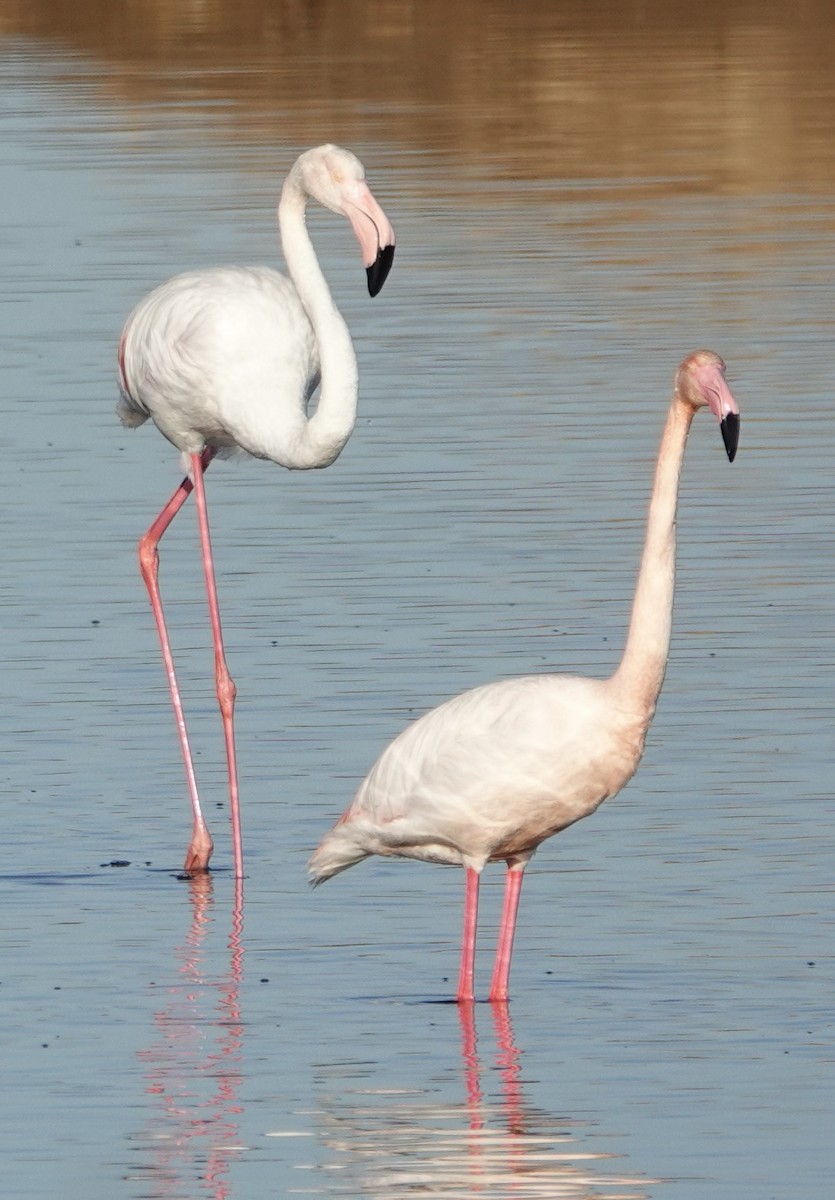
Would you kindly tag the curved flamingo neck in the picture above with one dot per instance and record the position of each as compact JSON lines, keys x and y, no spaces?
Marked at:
{"x":641,"y":672}
{"x":326,"y":432}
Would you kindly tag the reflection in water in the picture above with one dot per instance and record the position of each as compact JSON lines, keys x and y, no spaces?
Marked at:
{"x":489,"y":1146}
{"x":736,"y":97}
{"x":192,"y":1068}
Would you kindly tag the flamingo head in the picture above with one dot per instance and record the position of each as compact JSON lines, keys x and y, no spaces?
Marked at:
{"x":336,"y":178}
{"x":700,"y":380}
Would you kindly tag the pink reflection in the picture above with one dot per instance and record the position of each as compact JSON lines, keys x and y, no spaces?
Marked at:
{"x":513,"y":1147}
{"x":193,"y":1067}
{"x":508,"y":1063}
{"x":401,"y":1140}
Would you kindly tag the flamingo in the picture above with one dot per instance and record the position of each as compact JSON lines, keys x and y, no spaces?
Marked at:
{"x":493,"y":772}
{"x":227,"y":360}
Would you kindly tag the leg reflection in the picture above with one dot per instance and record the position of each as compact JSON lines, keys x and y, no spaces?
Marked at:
{"x":193,"y":1065}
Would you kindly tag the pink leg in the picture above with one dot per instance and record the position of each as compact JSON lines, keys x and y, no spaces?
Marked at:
{"x":224,"y":684}
{"x":200,"y":848}
{"x":465,"y":978}
{"x":501,"y":970}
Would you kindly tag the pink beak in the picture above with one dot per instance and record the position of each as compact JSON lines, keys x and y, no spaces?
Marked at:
{"x":374,"y":233}
{"x":722,"y":405}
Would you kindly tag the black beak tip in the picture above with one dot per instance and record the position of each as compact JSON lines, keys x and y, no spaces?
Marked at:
{"x":378,"y":271}
{"x":729,"y":428}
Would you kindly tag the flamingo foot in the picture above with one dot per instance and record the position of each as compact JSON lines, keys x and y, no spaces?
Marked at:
{"x":199,"y":851}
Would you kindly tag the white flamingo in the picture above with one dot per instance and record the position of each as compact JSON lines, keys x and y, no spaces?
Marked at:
{"x":228,"y":360}
{"x":495,"y":771}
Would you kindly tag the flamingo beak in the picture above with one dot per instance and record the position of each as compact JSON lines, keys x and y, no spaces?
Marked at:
{"x":375,"y":235}
{"x":378,"y":271}
{"x":729,"y":428}
{"x":722,"y":404}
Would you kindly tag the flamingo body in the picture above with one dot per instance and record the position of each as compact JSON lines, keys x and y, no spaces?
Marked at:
{"x":490,"y":774}
{"x":227,"y":360}
{"x":225,"y":357}
{"x":495,"y":771}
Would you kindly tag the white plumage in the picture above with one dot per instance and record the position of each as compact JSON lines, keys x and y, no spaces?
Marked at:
{"x":490,"y":774}
{"x":495,"y":771}
{"x":227,"y":360}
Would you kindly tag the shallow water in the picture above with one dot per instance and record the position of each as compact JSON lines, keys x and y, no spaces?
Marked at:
{"x":578,"y":203}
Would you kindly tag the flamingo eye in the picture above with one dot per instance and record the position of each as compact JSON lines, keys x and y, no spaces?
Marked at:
{"x":337,"y":176}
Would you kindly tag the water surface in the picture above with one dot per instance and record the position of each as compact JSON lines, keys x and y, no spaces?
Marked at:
{"x":580,"y":199}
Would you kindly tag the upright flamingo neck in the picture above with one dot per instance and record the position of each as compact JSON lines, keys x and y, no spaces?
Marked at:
{"x":640,"y":675}
{"x":329,"y":428}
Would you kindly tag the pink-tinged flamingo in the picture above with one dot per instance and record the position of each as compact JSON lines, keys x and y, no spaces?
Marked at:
{"x":227,"y":360}
{"x":495,"y":771}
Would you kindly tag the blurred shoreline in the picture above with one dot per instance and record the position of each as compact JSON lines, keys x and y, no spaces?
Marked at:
{"x":734,"y":98}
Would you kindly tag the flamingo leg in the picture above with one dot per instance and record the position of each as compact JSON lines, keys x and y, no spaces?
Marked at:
{"x":224,"y":684}
{"x":200,"y":848}
{"x":504,"y":949}
{"x":465,"y":978}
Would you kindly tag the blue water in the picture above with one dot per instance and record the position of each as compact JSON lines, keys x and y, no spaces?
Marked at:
{"x":670,"y":1032}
